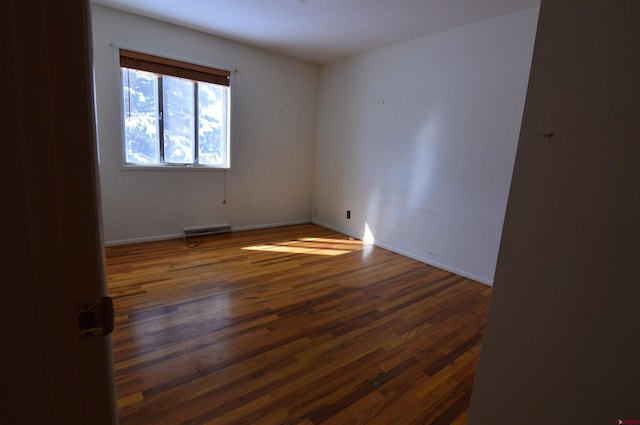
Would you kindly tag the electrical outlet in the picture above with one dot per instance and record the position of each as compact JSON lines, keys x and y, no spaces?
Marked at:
{"x":348,"y":214}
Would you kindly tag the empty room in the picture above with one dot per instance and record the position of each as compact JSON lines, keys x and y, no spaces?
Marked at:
{"x":367,"y":161}
{"x":322,"y":212}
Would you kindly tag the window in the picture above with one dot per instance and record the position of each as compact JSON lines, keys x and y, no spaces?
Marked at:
{"x":174,"y":113}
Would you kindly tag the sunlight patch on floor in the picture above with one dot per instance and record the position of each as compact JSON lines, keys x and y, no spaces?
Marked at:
{"x":315,"y":246}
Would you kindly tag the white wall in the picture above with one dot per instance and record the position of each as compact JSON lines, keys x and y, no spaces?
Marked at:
{"x":274,"y":118}
{"x":562,"y":337}
{"x":418,"y":141}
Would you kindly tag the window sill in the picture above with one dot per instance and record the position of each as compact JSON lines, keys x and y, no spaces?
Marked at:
{"x":171,"y":168}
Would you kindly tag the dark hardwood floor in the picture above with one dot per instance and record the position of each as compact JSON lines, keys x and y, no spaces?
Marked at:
{"x":293,"y":325}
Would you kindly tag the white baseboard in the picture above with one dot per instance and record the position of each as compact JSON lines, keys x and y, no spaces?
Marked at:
{"x":269,"y":225}
{"x":437,"y":264}
{"x":319,"y":223}
{"x":181,"y":235}
{"x":428,"y":261}
{"x":337,"y":229}
{"x":144,"y":239}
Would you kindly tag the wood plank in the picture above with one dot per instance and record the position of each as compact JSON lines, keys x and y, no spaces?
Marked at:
{"x":290,"y":325}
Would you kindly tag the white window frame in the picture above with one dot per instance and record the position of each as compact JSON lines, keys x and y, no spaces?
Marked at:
{"x":167,"y":166}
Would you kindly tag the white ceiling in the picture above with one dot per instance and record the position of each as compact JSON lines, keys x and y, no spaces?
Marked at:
{"x":321,"y":31}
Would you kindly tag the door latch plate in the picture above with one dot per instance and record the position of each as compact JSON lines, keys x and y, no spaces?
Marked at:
{"x":95,"y":317}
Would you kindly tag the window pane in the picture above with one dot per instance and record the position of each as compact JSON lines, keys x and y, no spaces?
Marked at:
{"x":213,"y":125}
{"x":140,"y":100}
{"x":178,"y":120}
